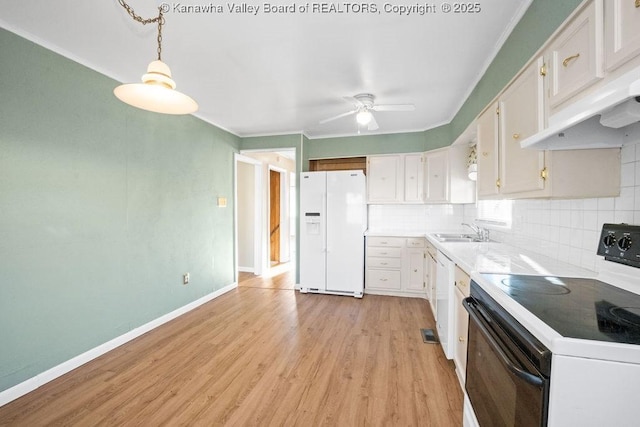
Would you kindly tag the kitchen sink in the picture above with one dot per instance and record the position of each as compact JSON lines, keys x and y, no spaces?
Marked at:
{"x":453,"y":237}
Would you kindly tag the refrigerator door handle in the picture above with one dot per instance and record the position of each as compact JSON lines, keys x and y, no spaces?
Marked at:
{"x":324,"y":229}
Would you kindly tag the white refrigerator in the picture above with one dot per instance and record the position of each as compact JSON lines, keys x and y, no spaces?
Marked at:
{"x":333,"y":219}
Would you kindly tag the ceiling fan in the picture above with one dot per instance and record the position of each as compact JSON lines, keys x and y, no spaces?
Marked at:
{"x":364,"y":105}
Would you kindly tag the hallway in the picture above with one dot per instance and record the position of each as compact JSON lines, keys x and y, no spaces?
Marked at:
{"x":282,"y":276}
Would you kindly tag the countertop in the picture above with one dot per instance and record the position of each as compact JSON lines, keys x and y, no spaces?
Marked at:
{"x":491,"y":257}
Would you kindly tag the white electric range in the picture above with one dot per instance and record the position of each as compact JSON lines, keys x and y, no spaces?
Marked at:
{"x":558,"y":351}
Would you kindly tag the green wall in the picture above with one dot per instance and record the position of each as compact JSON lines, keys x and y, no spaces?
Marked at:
{"x":103,"y":207}
{"x":541,"y":19}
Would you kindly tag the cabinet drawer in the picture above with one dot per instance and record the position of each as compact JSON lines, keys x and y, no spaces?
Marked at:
{"x":463,"y":281}
{"x":384,"y":252}
{"x":376,"y":262}
{"x":383,"y":279}
{"x":575,"y":56}
{"x":415,"y":242}
{"x":393,"y":242}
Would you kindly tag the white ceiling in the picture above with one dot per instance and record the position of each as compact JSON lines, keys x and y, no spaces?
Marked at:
{"x":270,"y":74}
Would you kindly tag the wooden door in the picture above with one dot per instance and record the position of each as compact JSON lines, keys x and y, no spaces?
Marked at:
{"x":274,"y":215}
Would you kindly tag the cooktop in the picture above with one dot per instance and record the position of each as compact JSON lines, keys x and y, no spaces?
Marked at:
{"x":576,"y":307}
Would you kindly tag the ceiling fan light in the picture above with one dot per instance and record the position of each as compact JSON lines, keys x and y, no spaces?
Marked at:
{"x":364,"y":117}
{"x":156,"y":92}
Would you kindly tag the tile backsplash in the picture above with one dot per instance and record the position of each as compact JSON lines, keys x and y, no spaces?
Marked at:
{"x":415,"y":218}
{"x":567,"y":230}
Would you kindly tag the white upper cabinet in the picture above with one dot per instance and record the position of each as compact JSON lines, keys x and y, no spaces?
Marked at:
{"x":521,"y":115}
{"x":507,"y":170}
{"x":503,"y":166}
{"x":488,"y":152}
{"x":437,"y":176}
{"x":446,"y":178}
{"x":622,"y":32}
{"x":413,"y":178}
{"x":385,"y":179}
{"x":574,"y":56}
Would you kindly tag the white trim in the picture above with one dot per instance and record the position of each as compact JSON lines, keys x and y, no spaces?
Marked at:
{"x":258,"y":266}
{"x":245,"y":269}
{"x":51,"y":374}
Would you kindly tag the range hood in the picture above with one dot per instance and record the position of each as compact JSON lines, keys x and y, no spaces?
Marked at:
{"x":598,"y":120}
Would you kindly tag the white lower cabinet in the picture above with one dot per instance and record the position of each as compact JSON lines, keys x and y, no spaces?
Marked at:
{"x":431,"y":269}
{"x":395,"y":266}
{"x":462,"y":284}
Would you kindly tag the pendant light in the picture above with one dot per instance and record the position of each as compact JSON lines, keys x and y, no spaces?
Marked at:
{"x":157,"y":92}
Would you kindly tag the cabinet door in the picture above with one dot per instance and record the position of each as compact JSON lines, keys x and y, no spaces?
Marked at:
{"x":415,"y":264}
{"x":521,"y":115}
{"x":462,"y":330}
{"x":413,"y":178}
{"x":488,"y":160}
{"x":621,"y":34}
{"x":437,"y":176}
{"x":384,"y":179}
{"x":575,"y":56}
{"x":431,"y":278}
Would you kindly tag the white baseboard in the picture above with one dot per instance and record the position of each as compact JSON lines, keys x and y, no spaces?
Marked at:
{"x":245,"y":269}
{"x":33,"y":383}
{"x":395,"y":293}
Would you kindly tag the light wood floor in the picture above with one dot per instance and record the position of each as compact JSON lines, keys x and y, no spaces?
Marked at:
{"x":258,"y":356}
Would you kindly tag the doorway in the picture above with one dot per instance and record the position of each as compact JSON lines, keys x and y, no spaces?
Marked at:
{"x":271,"y":201}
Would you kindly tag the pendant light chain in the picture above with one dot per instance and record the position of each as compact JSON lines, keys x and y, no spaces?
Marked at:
{"x":159,"y":19}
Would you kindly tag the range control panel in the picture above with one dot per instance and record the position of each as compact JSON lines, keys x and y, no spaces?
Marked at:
{"x":620,"y":243}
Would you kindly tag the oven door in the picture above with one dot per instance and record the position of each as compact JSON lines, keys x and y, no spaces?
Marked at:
{"x":504,"y":387}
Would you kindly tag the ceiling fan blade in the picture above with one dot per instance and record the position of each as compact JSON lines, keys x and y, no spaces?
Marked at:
{"x":339,"y":116}
{"x":354,"y":101}
{"x":373,"y":124}
{"x":397,"y":107}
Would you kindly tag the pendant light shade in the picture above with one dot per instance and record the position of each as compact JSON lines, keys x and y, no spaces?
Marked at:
{"x":156,"y":93}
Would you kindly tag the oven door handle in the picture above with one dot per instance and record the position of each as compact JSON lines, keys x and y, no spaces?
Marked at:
{"x":504,"y":354}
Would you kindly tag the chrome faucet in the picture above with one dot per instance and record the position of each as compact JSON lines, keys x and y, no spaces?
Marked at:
{"x":482,"y":234}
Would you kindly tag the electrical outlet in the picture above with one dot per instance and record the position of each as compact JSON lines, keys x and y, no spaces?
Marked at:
{"x":185,"y":278}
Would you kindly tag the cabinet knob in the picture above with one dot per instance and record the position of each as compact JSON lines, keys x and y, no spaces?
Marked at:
{"x":568,"y":59}
{"x":461,"y":339}
{"x":516,"y":135}
{"x":485,"y":154}
{"x":461,"y":283}
{"x":415,"y":271}
{"x":383,"y":280}
{"x":383,"y":263}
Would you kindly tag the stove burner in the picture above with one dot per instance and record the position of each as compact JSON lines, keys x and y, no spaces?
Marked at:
{"x":628,"y":315}
{"x":534,"y":285}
